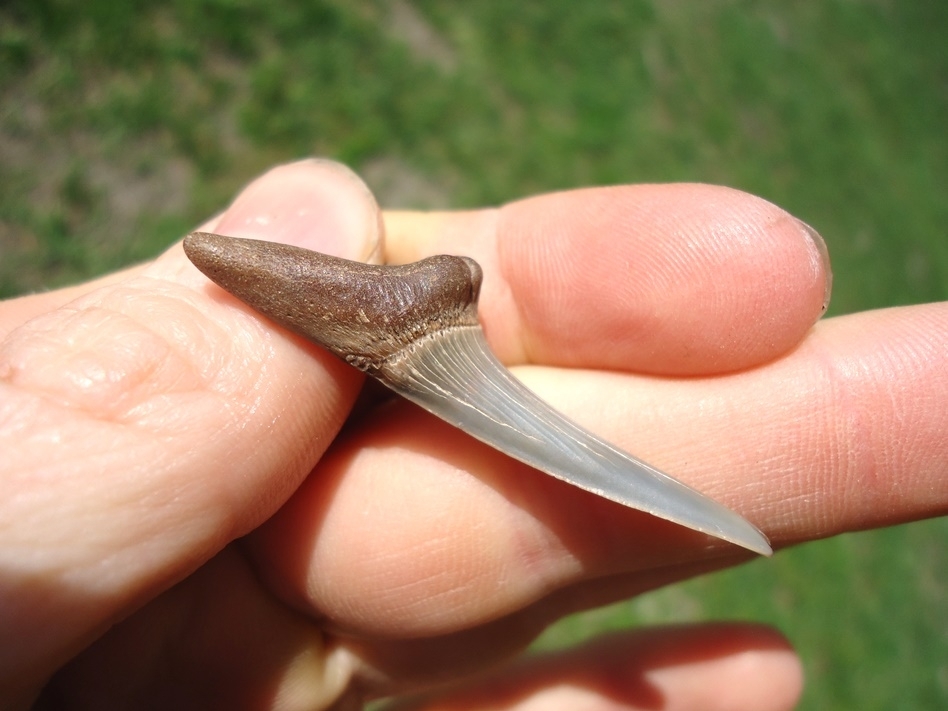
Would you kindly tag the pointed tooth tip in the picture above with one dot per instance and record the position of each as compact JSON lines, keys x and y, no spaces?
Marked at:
{"x":756,"y":543}
{"x":727,"y":525}
{"x":743,"y":533}
{"x":748,"y":536}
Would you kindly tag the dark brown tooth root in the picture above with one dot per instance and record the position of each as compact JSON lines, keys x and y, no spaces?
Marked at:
{"x":363,"y":313}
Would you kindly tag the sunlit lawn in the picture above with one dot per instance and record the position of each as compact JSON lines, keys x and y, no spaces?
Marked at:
{"x":123,"y":124}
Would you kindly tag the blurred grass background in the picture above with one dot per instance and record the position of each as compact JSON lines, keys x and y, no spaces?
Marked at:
{"x":124,"y":124}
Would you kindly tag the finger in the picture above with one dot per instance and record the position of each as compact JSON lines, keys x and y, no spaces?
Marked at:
{"x":397,"y":663}
{"x":153,"y":420}
{"x":667,"y":279}
{"x":843,"y":434}
{"x":16,"y":312}
{"x":216,"y":640}
{"x":411,"y":529}
{"x":724,"y":666}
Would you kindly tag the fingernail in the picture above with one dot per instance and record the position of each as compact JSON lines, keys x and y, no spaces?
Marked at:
{"x":315,"y":204}
{"x":822,"y":254}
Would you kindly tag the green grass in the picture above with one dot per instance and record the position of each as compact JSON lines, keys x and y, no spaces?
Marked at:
{"x":121,"y":125}
{"x":866,"y":612}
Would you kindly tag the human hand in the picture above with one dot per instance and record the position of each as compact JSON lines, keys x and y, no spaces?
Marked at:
{"x":151,"y":421}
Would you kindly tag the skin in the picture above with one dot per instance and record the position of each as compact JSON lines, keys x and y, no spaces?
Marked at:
{"x":183,"y":523}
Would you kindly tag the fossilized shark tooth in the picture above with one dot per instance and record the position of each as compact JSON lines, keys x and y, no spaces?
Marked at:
{"x":414,"y":327}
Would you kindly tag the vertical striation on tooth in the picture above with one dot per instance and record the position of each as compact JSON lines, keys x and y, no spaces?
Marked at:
{"x":456,"y":377}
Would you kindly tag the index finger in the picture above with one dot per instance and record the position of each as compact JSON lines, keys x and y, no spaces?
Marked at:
{"x":664,"y":279}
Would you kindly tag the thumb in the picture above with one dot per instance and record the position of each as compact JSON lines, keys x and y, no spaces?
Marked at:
{"x":716,"y":665}
{"x":151,"y":420}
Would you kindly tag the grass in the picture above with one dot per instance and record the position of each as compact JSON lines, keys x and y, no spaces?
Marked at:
{"x":865,"y":611}
{"x":123,"y":125}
